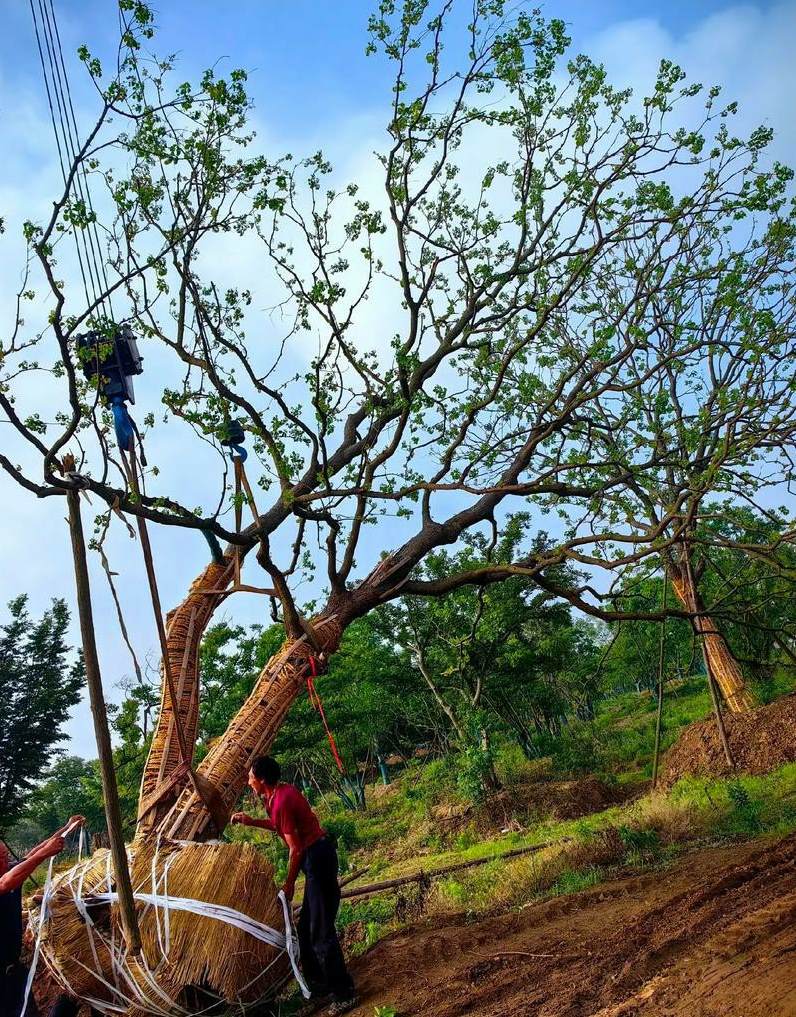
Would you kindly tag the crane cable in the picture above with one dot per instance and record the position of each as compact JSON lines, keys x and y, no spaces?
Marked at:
{"x":59,"y":97}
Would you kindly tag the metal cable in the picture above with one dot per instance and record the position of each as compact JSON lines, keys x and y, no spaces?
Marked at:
{"x":71,"y":151}
{"x":58,"y":144}
{"x":92,"y":226}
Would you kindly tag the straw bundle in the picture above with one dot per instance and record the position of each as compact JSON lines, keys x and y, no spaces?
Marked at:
{"x":187,"y":960}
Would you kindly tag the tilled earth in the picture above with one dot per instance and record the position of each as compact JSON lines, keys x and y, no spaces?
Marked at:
{"x":712,"y":936}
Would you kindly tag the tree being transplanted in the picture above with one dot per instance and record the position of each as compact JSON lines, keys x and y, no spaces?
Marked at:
{"x":533,"y":240}
{"x":40,"y":681}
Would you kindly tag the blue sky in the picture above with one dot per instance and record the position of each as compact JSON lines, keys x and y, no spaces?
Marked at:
{"x":304,"y":55}
{"x":313,"y":86}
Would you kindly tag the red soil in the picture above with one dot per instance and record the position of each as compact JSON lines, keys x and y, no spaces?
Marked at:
{"x":760,"y":740}
{"x":713,"y":936}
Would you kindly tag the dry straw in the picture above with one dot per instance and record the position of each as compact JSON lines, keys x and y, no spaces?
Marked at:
{"x":188,"y":961}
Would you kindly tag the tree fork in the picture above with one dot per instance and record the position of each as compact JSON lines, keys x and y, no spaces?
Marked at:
{"x":97,"y":698}
{"x":253,"y":729}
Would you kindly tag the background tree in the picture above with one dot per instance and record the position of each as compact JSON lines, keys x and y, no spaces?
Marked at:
{"x":634,"y":647}
{"x":40,"y":681}
{"x":507,"y":654}
{"x":719,"y":413}
{"x":72,"y":787}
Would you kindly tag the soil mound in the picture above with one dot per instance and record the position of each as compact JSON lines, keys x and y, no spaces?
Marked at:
{"x":713,"y":936}
{"x":516,"y":807}
{"x":761,"y":740}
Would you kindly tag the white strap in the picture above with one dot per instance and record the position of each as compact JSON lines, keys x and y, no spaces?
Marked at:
{"x":222,"y":913}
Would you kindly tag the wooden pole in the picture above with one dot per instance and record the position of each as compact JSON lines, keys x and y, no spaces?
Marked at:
{"x":390,"y":884}
{"x":110,"y":791}
{"x":725,"y":742}
{"x":659,"y":715}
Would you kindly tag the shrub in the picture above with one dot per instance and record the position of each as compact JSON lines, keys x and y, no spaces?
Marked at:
{"x":745,"y":814}
{"x":578,"y":750}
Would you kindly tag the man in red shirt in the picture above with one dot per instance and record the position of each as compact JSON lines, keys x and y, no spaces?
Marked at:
{"x":313,"y":853}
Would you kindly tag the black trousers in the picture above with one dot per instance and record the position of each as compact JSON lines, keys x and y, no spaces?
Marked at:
{"x":321,"y":956}
{"x":12,"y":990}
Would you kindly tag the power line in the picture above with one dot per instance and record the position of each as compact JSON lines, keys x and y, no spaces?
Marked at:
{"x":71,"y":148}
{"x":58,"y":142}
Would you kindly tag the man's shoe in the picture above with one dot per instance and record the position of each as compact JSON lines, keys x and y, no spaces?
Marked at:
{"x":342,"y":1006}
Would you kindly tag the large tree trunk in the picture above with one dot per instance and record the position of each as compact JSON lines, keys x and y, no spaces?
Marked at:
{"x":165,"y":775}
{"x":719,"y":661}
{"x":223,"y":773}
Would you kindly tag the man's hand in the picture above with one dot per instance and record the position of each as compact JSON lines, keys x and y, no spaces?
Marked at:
{"x":74,"y":821}
{"x":241,"y":818}
{"x":53,"y":846}
{"x":288,"y":890}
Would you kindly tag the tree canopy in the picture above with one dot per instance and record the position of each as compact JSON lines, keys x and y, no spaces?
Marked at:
{"x":589,"y":313}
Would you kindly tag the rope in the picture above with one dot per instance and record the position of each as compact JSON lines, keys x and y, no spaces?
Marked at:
{"x":315,"y":699}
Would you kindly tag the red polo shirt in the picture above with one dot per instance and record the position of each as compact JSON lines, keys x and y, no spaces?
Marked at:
{"x":290,"y":813}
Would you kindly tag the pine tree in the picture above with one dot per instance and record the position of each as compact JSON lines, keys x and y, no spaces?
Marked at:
{"x":39,"y":682}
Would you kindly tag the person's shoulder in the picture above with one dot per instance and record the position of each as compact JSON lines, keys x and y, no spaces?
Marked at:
{"x":288,"y":793}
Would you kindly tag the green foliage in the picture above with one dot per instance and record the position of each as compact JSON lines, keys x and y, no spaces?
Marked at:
{"x":574,"y":880}
{"x":643,"y":845}
{"x":577,"y":750}
{"x":72,"y":787}
{"x":746,"y":811}
{"x":39,"y":684}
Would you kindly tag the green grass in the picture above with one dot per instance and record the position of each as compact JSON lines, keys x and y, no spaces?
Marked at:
{"x":571,"y":881}
{"x":399,"y":835}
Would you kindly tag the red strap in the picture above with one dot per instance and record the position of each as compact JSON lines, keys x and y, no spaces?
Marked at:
{"x":315,"y":699}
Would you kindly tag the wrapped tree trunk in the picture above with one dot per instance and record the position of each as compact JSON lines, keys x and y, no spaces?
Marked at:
{"x":165,"y":774}
{"x":224,"y":771}
{"x":719,"y":660}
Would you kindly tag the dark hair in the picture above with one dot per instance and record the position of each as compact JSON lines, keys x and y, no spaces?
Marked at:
{"x":267,"y":770}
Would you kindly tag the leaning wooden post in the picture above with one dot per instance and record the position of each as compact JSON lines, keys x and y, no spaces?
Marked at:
{"x":96,"y":696}
{"x":659,"y":713}
{"x":725,"y":742}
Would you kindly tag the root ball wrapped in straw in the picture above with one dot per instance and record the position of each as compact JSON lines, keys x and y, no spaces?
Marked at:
{"x":189,"y":960}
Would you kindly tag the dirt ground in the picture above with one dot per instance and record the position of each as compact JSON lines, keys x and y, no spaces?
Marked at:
{"x":712,"y":936}
{"x":761,"y":740}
